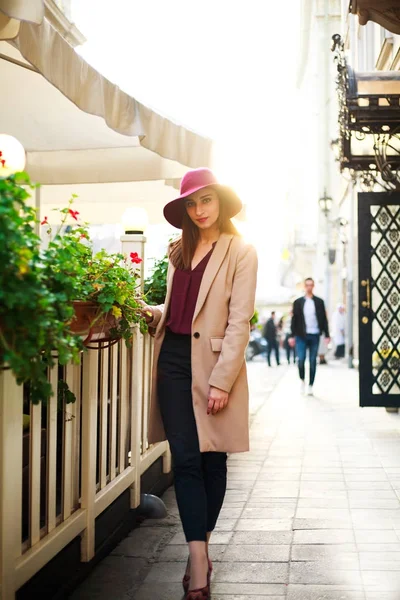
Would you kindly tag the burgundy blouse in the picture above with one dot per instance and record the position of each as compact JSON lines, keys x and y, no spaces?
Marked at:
{"x":185,"y":289}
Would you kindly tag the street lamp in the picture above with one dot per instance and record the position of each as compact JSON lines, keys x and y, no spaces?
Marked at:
{"x":325,"y":204}
{"x":135,"y":220}
{"x":12,"y":156}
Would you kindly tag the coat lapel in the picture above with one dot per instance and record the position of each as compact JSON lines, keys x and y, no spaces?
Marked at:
{"x":216,"y":259}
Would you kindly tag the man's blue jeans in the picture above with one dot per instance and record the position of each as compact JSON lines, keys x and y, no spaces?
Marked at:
{"x":311,"y":341}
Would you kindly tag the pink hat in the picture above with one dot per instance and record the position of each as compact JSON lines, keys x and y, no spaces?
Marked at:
{"x":193,"y":181}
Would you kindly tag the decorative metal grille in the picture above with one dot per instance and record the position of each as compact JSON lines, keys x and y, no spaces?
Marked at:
{"x":368,"y":146}
{"x":385,"y":298}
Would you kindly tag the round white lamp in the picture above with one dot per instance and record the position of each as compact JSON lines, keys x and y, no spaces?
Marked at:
{"x":12,"y":156}
{"x":135,"y":220}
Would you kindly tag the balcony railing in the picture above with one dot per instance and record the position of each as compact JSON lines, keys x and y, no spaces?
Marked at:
{"x":71,"y":461}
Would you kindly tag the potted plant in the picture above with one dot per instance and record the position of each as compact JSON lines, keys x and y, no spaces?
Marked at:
{"x":35,"y":297}
{"x":107,"y":297}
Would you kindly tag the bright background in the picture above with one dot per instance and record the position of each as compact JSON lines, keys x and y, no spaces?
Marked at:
{"x":226,"y":69}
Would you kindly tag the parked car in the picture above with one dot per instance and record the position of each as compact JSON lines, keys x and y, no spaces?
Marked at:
{"x":257,"y":345}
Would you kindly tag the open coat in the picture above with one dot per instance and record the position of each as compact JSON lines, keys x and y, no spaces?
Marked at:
{"x":220,"y":334}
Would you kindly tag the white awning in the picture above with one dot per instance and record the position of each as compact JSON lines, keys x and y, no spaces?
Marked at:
{"x":14,"y":11}
{"x":78,"y":127}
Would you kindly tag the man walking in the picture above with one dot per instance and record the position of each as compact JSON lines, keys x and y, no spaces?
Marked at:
{"x":270,"y":334}
{"x":309,"y":322}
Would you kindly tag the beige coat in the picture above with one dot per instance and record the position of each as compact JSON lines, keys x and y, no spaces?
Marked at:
{"x":220,"y":333}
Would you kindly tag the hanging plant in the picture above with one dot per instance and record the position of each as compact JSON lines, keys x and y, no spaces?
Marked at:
{"x":35,"y":306}
{"x":40,"y":287}
{"x":107,"y":299}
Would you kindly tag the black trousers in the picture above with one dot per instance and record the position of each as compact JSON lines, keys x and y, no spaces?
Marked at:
{"x":289,"y":349}
{"x":200,"y":477}
{"x":340,"y":351}
{"x":273,"y":345}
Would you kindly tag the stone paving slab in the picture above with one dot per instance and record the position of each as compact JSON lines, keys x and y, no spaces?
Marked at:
{"x":251,"y":590}
{"x":311,"y":513}
{"x":257,"y":553}
{"x":116,"y":577}
{"x":323,"y":592}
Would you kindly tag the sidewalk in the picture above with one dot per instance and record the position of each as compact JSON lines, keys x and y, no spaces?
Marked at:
{"x":311,"y":513}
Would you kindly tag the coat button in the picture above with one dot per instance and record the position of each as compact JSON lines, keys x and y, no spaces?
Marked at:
{"x":196,"y":335}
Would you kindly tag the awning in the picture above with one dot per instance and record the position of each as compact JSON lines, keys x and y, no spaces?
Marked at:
{"x":383,"y":12}
{"x":12,"y":12}
{"x":78,"y":127}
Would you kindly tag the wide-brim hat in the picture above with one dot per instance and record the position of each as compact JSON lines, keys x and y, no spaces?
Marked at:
{"x":192,"y":182}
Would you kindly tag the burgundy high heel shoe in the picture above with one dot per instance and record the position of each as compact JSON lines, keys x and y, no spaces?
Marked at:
{"x":203,"y":593}
{"x":186,"y":577}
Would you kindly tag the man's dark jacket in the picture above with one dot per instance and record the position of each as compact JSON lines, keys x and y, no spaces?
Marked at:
{"x":269,"y":332}
{"x":299,"y":323}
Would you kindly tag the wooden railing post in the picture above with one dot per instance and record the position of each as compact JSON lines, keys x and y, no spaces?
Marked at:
{"x":52,"y":451}
{"x":89,"y":446}
{"x":136,"y":412}
{"x":10,"y":481}
{"x":71,"y":454}
{"x":103,"y":429}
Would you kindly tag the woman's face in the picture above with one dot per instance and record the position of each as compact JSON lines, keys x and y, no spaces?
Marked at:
{"x":203,"y":208}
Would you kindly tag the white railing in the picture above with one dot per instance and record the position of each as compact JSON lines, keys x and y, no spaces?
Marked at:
{"x":73,"y":460}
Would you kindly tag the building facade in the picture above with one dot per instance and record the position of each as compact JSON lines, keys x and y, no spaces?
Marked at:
{"x":316,"y":191}
{"x":367,"y":149}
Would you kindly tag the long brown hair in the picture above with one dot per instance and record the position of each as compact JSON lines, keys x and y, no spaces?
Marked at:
{"x":181,"y":251}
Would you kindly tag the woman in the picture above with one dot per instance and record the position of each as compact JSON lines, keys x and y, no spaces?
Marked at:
{"x":200,"y":394}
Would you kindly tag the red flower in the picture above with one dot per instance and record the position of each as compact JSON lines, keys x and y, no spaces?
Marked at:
{"x":84,"y":236}
{"x":73,"y":214}
{"x":3,"y":163}
{"x":135,"y":258}
{"x":45,"y":221}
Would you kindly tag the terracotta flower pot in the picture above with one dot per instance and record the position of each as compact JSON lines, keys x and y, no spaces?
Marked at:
{"x":91,"y":325}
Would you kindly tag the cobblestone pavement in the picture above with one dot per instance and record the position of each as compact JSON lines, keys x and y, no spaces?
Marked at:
{"x":311,"y":513}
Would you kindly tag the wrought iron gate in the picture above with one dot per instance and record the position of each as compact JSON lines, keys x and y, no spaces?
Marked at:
{"x":379,"y":298}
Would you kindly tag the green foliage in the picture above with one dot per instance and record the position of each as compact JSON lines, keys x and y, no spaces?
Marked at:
{"x":155,"y":286}
{"x":110,"y":280}
{"x":255,"y":318}
{"x":64,"y":394}
{"x":35,"y":288}
{"x":38,"y":286}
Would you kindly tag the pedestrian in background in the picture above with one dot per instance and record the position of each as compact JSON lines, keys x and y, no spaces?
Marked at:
{"x":270,"y":333}
{"x":309,"y":322}
{"x":339,"y":324}
{"x":289,"y":347}
{"x":322,"y":350}
{"x":199,"y":398}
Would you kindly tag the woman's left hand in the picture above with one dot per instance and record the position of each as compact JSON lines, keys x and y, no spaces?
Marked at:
{"x":217,"y":400}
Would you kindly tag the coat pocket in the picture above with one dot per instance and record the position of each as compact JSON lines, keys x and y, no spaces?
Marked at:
{"x":216,"y":343}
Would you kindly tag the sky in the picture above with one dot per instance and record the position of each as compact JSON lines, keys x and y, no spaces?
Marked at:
{"x":224,"y":68}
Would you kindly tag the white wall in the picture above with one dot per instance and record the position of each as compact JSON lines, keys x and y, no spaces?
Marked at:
{"x":102,"y":205}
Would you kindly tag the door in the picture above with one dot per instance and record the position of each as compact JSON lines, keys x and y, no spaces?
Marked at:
{"x":379,"y":298}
